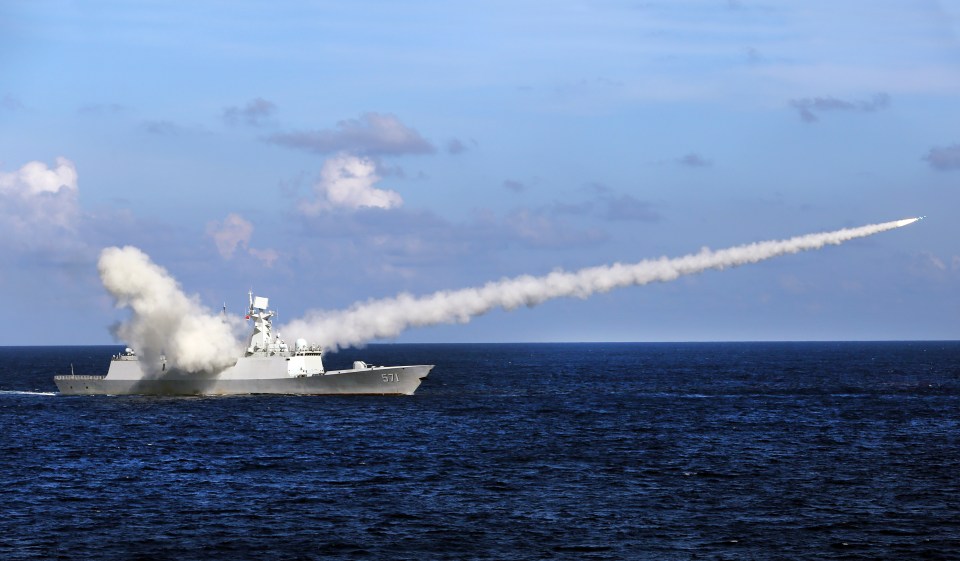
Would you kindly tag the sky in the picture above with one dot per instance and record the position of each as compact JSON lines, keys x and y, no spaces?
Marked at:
{"x":328,"y":153}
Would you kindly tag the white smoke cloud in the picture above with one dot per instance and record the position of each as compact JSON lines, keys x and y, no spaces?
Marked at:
{"x":348,"y":182}
{"x":377,"y":319}
{"x":164,"y":320}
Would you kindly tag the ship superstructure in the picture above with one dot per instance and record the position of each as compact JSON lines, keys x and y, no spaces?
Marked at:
{"x":268,"y":365}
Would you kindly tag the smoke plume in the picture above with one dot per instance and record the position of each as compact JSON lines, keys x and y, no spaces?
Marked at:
{"x":376,"y":319}
{"x":165,"y":321}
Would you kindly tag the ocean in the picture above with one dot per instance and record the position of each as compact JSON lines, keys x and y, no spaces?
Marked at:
{"x":507,"y":451}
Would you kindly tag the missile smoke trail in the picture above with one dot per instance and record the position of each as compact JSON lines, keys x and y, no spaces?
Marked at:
{"x":377,"y":319}
{"x":165,"y":321}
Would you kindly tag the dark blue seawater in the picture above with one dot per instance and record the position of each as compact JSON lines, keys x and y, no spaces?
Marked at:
{"x":566,"y":451}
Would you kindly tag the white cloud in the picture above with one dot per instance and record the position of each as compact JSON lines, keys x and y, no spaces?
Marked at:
{"x":38,"y":204}
{"x":35,"y":178}
{"x":229,"y":234}
{"x":235,"y":231}
{"x":348,"y":182}
{"x":267,"y":256}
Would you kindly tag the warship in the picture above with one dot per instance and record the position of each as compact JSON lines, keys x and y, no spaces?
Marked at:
{"x":269,"y":366}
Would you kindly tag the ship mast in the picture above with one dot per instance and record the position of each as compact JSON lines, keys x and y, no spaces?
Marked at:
{"x":262,"y":340}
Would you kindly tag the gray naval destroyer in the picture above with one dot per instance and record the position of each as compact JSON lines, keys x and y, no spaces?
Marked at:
{"x":269,"y":366}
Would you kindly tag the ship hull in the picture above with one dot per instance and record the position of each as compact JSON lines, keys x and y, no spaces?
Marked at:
{"x":393,"y":380}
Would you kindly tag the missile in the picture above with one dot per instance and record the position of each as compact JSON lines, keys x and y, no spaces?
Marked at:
{"x":907,"y":221}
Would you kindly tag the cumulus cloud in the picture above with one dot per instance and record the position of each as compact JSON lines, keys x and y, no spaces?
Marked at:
{"x":255,"y":113}
{"x":35,"y":178}
{"x":944,"y":159}
{"x":347,"y":182}
{"x":371,"y":134}
{"x":235,"y":232}
{"x":808,"y":107}
{"x":38,"y":201}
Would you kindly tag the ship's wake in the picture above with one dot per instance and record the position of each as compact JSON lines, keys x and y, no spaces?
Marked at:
{"x":19,"y":392}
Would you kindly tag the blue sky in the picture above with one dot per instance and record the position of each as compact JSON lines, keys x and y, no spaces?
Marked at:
{"x":330,"y":152}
